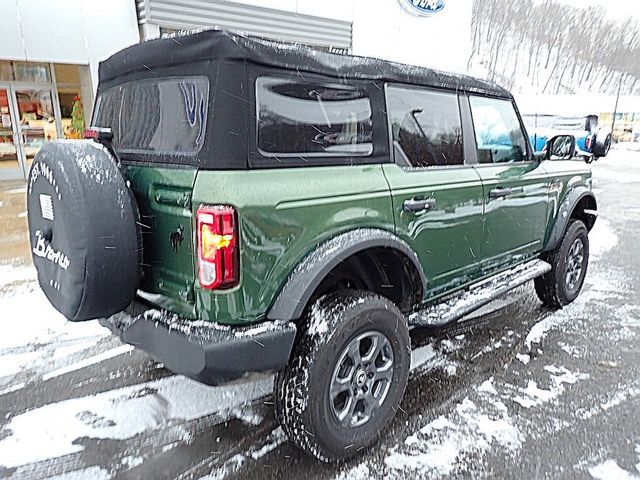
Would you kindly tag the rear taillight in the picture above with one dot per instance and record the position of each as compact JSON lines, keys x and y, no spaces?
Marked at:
{"x":218,"y":253}
{"x":98,"y":134}
{"x":588,"y":143}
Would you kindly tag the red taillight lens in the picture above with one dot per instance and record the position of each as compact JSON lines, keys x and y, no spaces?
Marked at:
{"x":90,"y":134}
{"x":588,"y":143}
{"x":98,"y":134}
{"x":218,"y":254}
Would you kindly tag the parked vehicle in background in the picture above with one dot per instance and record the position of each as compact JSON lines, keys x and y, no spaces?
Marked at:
{"x":592,"y":140}
{"x":251,"y":206}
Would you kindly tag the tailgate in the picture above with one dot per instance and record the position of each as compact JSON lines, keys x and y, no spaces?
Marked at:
{"x":168,"y":267}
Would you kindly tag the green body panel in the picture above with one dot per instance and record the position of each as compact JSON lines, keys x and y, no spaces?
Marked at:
{"x":284,"y":214}
{"x":563,"y":176}
{"x":448,"y":237}
{"x":164,"y":201}
{"x":514,"y":226}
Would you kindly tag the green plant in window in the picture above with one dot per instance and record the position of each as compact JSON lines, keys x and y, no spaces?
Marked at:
{"x":77,"y":119}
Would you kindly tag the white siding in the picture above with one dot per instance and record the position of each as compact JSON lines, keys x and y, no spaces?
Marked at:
{"x":66,"y":31}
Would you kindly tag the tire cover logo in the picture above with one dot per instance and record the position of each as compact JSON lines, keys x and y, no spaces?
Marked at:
{"x":44,"y":250}
{"x":423,"y":8}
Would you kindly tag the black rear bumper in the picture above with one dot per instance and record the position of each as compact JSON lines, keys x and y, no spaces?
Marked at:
{"x":205,"y":351}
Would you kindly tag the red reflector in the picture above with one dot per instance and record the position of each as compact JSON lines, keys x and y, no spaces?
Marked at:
{"x":218,"y":254}
{"x":90,"y":134}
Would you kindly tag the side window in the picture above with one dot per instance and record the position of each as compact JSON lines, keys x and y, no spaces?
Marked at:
{"x":426,"y":126}
{"x":499,"y":135}
{"x":314,"y":119}
{"x":165,"y":116}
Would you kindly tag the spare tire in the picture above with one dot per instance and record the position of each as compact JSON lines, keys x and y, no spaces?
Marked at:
{"x":84,"y":237}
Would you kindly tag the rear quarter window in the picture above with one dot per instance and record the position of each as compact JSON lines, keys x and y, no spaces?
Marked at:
{"x":156,"y":116}
{"x":312,"y":119}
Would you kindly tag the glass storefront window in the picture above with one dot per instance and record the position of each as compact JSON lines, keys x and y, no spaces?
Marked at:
{"x":8,"y":149}
{"x":39,"y":102}
{"x":6,"y":71}
{"x":36,"y":119}
{"x":24,"y":71}
{"x":69,"y":81}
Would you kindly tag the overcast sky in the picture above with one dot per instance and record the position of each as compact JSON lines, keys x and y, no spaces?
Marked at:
{"x":618,"y":9}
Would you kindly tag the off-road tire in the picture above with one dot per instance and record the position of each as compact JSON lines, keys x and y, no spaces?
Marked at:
{"x":302,"y":389}
{"x":602,"y":145}
{"x":552,"y":288}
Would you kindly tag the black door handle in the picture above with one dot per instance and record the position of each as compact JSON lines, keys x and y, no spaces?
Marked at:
{"x":500,"y":192}
{"x":419,"y":204}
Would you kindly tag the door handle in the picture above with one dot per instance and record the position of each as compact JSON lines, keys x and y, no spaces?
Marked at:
{"x":419,"y":204}
{"x":500,"y":192}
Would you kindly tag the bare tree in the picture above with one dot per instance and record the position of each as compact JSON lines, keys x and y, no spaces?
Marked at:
{"x":551,"y":47}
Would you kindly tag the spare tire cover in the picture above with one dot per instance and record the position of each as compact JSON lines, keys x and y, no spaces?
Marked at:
{"x":83,"y":230}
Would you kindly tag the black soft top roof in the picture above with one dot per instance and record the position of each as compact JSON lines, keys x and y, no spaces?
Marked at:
{"x":220,"y":44}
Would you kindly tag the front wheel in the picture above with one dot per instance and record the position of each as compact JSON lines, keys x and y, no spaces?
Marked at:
{"x":569,"y":262}
{"x":347,"y":375}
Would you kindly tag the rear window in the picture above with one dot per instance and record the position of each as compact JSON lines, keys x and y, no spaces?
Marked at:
{"x":306,"y":118}
{"x":156,"y":116}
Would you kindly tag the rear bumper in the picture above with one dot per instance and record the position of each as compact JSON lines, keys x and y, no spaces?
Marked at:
{"x":205,"y":351}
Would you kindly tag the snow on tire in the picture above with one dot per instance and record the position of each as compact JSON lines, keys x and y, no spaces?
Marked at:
{"x":347,"y":375}
{"x":82,"y":226}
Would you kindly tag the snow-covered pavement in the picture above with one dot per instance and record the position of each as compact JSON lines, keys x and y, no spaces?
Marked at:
{"x":517,"y":392}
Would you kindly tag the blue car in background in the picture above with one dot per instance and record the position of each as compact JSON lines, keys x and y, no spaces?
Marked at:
{"x":592,"y":140}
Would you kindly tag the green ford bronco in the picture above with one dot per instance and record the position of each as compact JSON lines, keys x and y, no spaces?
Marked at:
{"x":243,"y":206}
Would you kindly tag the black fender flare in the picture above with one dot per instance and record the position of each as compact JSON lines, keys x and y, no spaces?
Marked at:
{"x":568,"y":205}
{"x":305,"y":278}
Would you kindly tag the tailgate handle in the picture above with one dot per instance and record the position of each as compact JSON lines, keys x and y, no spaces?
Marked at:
{"x":171,"y":197}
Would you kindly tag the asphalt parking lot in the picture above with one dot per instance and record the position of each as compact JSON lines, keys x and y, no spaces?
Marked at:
{"x":518,"y":391}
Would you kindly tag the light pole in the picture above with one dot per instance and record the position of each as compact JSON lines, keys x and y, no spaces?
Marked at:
{"x":615,"y":109}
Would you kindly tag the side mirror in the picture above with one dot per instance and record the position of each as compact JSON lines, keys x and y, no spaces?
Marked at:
{"x":561,"y":147}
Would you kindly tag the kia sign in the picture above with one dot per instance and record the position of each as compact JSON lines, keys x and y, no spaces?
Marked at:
{"x":422,"y":8}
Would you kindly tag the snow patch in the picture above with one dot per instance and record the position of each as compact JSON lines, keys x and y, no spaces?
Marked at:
{"x":602,"y":238}
{"x":101,"y":357}
{"x":90,"y":473}
{"x":610,"y":470}
{"x":276,"y":438}
{"x":436,"y":447}
{"x":487,"y":387}
{"x":534,"y":396}
{"x":421,"y":355}
{"x":52,"y":430}
{"x":12,"y":273}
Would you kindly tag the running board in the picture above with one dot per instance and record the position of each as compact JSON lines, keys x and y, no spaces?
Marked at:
{"x":456,"y":306}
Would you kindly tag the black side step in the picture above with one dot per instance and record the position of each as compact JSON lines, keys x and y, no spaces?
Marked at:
{"x":456,"y":306}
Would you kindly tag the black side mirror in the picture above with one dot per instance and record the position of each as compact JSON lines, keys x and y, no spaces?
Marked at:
{"x":561,"y":147}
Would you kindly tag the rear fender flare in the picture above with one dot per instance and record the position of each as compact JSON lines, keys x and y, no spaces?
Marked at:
{"x":571,"y":201}
{"x":307,"y":276}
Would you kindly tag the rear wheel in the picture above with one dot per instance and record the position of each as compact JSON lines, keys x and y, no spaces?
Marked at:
{"x":569,"y":262}
{"x":347,"y":375}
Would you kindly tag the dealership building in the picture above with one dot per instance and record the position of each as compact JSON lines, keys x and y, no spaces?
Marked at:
{"x":50,"y":51}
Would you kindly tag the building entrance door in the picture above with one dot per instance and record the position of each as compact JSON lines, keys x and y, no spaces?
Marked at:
{"x":37,"y":122}
{"x":28,"y":119}
{"x":11,"y":164}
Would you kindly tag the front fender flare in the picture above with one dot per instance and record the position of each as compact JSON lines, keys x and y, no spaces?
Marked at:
{"x":567,"y":207}
{"x":294,"y":296}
